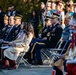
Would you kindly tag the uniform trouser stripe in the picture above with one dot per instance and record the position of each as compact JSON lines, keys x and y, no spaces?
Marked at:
{"x":34,"y":48}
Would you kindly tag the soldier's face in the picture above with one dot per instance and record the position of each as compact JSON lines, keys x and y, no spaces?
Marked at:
{"x":11,"y":21}
{"x":17,"y":21}
{"x":6,"y":22}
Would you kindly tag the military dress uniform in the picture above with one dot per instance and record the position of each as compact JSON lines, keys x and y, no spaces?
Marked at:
{"x":17,"y":27}
{"x":3,"y":31}
{"x":54,"y":39}
{"x":9,"y":34}
{"x":6,"y":31}
{"x":39,"y":43}
{"x":14,"y":30}
{"x":56,"y":31}
{"x":45,"y":32}
{"x":54,"y":35}
{"x":12,"y":35}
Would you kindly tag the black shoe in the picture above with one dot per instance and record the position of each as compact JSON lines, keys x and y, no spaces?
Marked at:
{"x":29,"y":61}
{"x":36,"y":62}
{"x":39,"y":62}
{"x":33,"y":62}
{"x":27,"y":56}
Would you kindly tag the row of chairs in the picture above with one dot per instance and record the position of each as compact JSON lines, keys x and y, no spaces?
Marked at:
{"x":49,"y":54}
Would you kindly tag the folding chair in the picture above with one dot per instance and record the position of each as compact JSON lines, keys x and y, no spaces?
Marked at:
{"x":46,"y":54}
{"x":20,"y":59}
{"x":53,"y":53}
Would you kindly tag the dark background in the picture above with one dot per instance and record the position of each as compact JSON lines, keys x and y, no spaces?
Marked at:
{"x":24,"y":6}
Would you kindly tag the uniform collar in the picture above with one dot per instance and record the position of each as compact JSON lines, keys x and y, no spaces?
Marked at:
{"x":55,"y":24}
{"x":6,"y":25}
{"x":17,"y":25}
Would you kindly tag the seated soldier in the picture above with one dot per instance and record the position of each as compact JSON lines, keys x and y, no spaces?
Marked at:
{"x":8,"y":33}
{"x":51,"y":41}
{"x":9,"y":36}
{"x":19,"y":45}
{"x":43,"y":39}
{"x":18,"y":23}
{"x":12,"y":32}
{"x":15,"y":27}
